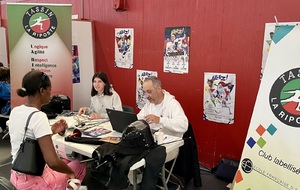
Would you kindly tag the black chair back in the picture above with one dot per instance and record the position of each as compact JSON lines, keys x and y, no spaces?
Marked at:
{"x":128,"y":109}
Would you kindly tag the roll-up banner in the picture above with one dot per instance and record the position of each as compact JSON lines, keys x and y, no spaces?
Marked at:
{"x":40,"y":38}
{"x":271,"y":156}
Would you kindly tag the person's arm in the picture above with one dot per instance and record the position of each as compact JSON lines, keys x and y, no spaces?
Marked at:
{"x":42,"y":131}
{"x":174,"y":118}
{"x":51,"y":158}
{"x":116,"y":101}
{"x":86,"y":110}
{"x":141,"y":114}
{"x":81,"y":110}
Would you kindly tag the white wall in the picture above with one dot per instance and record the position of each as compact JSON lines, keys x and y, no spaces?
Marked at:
{"x":82,"y":36}
{"x":3,"y":46}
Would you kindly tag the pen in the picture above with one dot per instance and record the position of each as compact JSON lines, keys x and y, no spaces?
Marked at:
{"x":154,"y":131}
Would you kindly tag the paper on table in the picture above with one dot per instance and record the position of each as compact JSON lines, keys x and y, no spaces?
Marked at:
{"x":70,"y":121}
{"x":169,"y":138}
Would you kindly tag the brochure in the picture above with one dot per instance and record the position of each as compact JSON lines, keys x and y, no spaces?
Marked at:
{"x":96,"y":132}
{"x":113,"y":140}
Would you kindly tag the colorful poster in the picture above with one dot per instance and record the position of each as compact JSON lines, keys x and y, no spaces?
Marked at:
{"x":176,"y":49}
{"x":124,"y":48}
{"x":270,"y":158}
{"x":40,"y":38}
{"x":75,"y":65}
{"x":140,"y":95}
{"x":219,"y":97}
{"x":268,"y":36}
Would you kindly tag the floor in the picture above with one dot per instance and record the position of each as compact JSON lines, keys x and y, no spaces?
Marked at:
{"x":209,"y":180}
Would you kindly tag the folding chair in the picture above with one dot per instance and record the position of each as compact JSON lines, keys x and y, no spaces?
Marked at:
{"x":134,"y":170}
{"x":187,"y":163}
{"x":171,"y":158}
{"x":6,"y":131}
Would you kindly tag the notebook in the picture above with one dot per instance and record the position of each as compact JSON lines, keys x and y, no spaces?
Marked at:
{"x":119,"y":119}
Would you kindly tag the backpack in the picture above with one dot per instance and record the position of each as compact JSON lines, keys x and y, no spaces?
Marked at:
{"x":111,"y":168}
{"x":57,"y":105}
{"x":136,"y":138}
{"x":112,"y":161}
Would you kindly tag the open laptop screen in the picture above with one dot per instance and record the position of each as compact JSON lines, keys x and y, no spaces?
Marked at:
{"x":119,"y":119}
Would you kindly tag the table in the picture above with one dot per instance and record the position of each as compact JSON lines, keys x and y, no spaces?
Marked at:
{"x":87,"y":149}
{"x":83,"y":149}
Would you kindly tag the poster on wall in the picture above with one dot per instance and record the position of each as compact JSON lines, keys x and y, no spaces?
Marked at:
{"x":140,"y":95}
{"x":219,"y":97}
{"x":176,"y":49}
{"x":39,"y":38}
{"x":270,"y":157}
{"x":268,"y":36}
{"x":124,"y":48}
{"x":75,"y":64}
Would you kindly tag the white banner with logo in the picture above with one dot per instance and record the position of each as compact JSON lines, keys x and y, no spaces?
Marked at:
{"x":40,"y":38}
{"x":269,"y":33}
{"x":271,"y":156}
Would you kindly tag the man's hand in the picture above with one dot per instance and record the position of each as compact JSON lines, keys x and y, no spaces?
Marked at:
{"x":152,"y":119}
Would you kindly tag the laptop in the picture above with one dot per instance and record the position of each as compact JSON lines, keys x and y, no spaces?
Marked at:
{"x":119,"y":119}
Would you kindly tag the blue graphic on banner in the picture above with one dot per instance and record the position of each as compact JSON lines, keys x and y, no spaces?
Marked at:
{"x":281,"y":32}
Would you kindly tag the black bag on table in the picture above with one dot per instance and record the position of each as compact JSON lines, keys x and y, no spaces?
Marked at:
{"x":29,"y":158}
{"x":57,"y":105}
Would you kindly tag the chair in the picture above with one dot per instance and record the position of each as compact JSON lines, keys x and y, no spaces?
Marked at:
{"x":134,"y":169}
{"x":187,"y":163}
{"x":6,"y":184}
{"x":165,"y":171}
{"x":128,"y":109}
{"x":151,"y":171}
{"x":4,"y":125}
{"x":5,"y":134}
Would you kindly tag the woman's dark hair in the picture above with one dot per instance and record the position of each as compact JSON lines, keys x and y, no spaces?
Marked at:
{"x":4,"y":74}
{"x":32,"y":82}
{"x":107,"y":87}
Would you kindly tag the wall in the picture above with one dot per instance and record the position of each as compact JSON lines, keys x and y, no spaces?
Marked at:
{"x":226,"y":36}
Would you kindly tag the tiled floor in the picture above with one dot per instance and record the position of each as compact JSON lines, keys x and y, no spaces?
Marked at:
{"x":209,"y":180}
